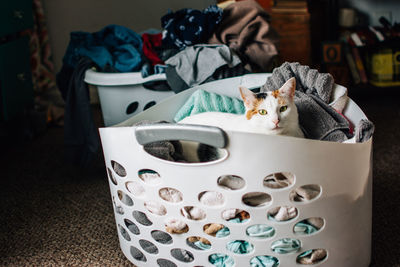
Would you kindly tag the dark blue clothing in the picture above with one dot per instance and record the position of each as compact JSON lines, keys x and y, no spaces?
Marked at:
{"x":114,"y":46}
{"x":81,"y":136}
{"x":188,"y":26}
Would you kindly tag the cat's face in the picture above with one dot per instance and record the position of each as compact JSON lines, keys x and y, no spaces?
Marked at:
{"x":275,"y":110}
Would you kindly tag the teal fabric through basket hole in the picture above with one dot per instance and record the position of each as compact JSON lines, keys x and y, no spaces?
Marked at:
{"x":223,"y":232}
{"x":260,"y":231}
{"x":264,"y":261}
{"x":221,"y":260}
{"x":304,"y":228}
{"x":286,"y":245}
{"x":202,"y":246}
{"x":240,"y":247}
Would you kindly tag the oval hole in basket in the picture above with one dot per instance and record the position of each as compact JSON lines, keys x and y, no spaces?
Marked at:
{"x":182,"y":255}
{"x":309,"y":226}
{"x":282,"y":213}
{"x":165,"y":263}
{"x":279,"y":180}
{"x":141,"y":218}
{"x":176,"y":226}
{"x":198,"y":242}
{"x":312,"y":256}
{"x":240,"y":247}
{"x":286,"y":245}
{"x":118,"y":168}
{"x":256,"y":199}
{"x":193,"y":213}
{"x":148,"y":246}
{"x":161,"y":237}
{"x":231,"y":182}
{"x":155,"y":208}
{"x":305,"y":193}
{"x":211,"y":198}
{"x":260,"y":231}
{"x":216,"y":229}
{"x":132,"y":227}
{"x":170,"y":194}
{"x":149,"y":105}
{"x":217,"y":258}
{"x":127,"y":200}
{"x":185,"y":152}
{"x":149,"y":176}
{"x":118,"y":208}
{"x":137,"y":254}
{"x":111,"y":176}
{"x":235,"y":215}
{"x":132,"y":107}
{"x":124,"y":233}
{"x":264,"y":260}
{"x":135,"y":189}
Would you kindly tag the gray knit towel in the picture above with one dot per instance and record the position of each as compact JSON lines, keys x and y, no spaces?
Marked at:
{"x":309,"y":81}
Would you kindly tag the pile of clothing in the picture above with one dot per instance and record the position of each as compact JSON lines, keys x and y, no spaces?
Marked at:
{"x":224,"y":40}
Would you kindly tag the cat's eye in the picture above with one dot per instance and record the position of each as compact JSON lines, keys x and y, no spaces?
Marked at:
{"x":283,"y":108}
{"x":262,"y":112}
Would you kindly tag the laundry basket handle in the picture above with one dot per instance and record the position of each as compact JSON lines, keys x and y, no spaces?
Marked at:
{"x":208,"y":135}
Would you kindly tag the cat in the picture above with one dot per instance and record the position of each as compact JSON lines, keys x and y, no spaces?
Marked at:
{"x":273,"y":113}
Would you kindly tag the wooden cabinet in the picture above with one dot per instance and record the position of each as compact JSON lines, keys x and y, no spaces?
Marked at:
{"x":16,"y":90}
{"x":293,"y":27}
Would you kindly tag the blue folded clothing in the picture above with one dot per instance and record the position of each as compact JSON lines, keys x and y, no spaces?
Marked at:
{"x":203,"y":101}
{"x":114,"y":46}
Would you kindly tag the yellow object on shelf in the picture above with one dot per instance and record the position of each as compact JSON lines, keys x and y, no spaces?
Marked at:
{"x":384,"y":67}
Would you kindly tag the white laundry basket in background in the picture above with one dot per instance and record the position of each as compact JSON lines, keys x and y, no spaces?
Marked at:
{"x":123,"y":95}
{"x":342,"y":172}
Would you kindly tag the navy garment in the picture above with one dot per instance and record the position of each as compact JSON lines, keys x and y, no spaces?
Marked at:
{"x":188,"y":26}
{"x":81,"y":138}
{"x":114,"y":45}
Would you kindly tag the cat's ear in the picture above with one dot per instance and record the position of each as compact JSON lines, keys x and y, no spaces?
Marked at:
{"x":288,"y":88}
{"x":249,"y":98}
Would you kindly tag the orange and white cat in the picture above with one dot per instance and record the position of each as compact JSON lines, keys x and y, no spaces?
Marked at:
{"x":273,"y":112}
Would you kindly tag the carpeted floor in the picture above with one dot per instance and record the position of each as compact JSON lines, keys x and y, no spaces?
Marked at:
{"x":54,"y":214}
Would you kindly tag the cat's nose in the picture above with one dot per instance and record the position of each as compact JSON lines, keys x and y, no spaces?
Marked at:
{"x":276,"y":122}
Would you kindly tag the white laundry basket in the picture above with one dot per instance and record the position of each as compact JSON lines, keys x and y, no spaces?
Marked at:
{"x":123,"y":95}
{"x":342,"y":172}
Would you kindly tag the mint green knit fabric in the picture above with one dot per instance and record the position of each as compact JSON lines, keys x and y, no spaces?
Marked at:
{"x":203,"y":101}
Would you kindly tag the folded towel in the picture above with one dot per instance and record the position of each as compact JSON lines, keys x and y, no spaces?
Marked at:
{"x":203,"y":101}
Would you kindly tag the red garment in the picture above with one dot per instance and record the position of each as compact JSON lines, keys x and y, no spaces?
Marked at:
{"x":150,"y":43}
{"x":351,"y":126}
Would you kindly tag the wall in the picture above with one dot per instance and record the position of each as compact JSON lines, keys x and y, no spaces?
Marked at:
{"x":65,"y":16}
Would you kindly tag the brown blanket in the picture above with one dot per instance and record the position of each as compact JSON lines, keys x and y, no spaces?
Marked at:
{"x":246,"y":30}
